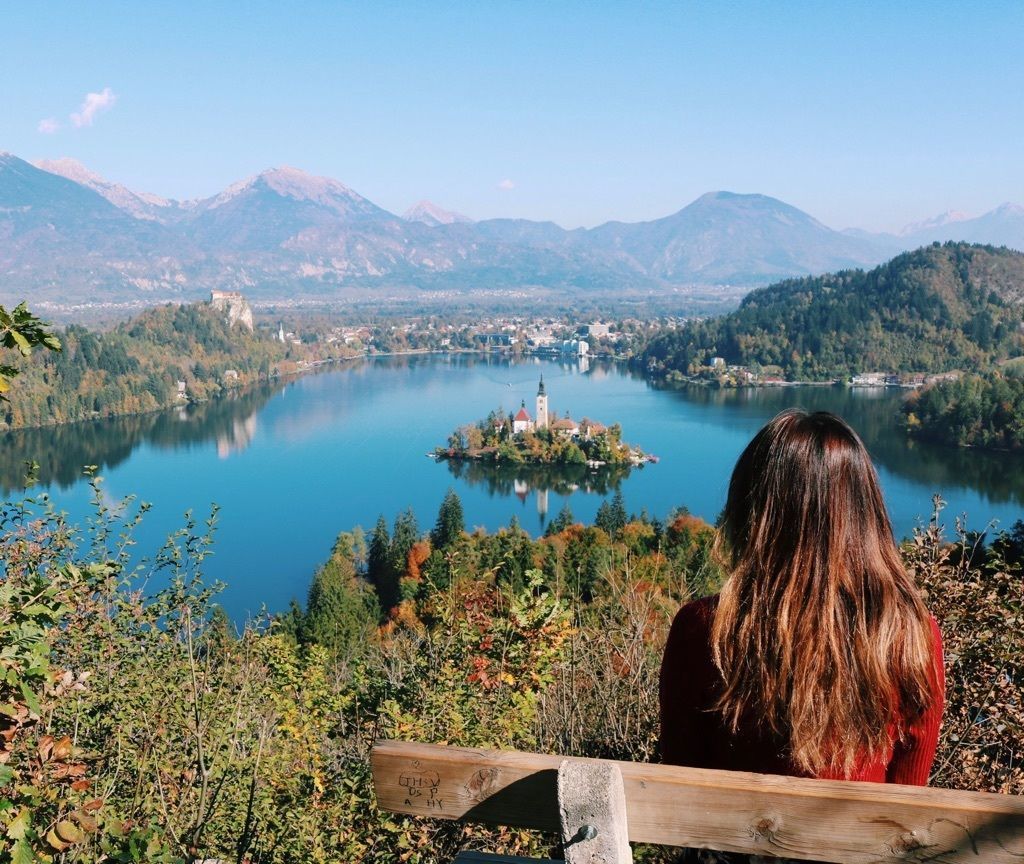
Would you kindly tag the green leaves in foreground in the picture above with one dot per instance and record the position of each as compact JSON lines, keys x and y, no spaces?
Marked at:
{"x":21,"y":330}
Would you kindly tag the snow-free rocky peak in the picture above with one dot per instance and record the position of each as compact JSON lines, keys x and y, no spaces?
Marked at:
{"x":296,"y":185}
{"x":142,"y":205}
{"x":289,"y":183}
{"x":429,"y":213}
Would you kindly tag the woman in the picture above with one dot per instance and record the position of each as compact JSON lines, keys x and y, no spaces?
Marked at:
{"x":818,"y":658}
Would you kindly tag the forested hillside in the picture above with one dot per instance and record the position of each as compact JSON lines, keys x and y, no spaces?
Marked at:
{"x":136,"y":367}
{"x":943,"y":307}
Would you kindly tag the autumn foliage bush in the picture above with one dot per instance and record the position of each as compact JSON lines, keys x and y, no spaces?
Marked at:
{"x":976,"y":591}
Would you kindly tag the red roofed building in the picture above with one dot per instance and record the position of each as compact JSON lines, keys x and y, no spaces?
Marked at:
{"x":522,"y":422}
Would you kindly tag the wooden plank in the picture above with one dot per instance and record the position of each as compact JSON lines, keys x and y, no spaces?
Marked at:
{"x":487,"y":858}
{"x":823,"y":820}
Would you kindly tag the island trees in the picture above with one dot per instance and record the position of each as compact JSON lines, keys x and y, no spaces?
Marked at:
{"x":563,"y":443}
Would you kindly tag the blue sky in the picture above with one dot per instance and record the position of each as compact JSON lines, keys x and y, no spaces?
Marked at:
{"x":864,"y":114}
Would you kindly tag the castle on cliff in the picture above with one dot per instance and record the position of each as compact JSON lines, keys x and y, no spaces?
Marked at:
{"x":235,"y":306}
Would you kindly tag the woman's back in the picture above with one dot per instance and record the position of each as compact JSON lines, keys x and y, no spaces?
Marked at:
{"x":818,"y":658}
{"x":693,"y":733}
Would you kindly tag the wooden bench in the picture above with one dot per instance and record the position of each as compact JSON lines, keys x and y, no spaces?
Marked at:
{"x":761,"y":814}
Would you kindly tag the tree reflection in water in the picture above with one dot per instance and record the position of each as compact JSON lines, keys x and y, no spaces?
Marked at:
{"x":504,"y":479}
{"x":875,"y":414}
{"x":61,"y":452}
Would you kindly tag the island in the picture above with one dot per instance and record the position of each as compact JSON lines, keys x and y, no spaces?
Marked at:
{"x":543,"y":439}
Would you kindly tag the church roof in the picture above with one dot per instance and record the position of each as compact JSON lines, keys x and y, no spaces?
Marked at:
{"x":523,"y":414}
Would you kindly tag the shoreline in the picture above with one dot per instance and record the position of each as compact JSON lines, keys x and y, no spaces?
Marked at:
{"x":696,"y":381}
{"x":313,"y":366}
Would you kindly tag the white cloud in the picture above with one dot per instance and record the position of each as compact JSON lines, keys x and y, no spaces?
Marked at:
{"x":506,"y":184}
{"x":92,"y":105}
{"x":48,"y":126}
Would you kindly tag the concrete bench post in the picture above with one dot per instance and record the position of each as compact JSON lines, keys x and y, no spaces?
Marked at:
{"x":592,"y":808}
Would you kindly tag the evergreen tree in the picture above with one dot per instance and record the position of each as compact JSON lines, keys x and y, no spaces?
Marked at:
{"x":378,"y":565}
{"x":619,"y":515}
{"x":563,"y":520}
{"x":405,"y":532}
{"x":586,"y":561}
{"x":612,"y":517}
{"x":291,"y":624}
{"x":511,"y":554}
{"x":339,"y":611}
{"x":450,"y":522}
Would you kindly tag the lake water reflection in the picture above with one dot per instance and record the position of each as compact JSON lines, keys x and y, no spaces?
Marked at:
{"x":294,"y":463}
{"x":540,"y":483}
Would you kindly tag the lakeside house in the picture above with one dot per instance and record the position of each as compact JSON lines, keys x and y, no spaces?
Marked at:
{"x":874,"y":379}
{"x":595,"y":330}
{"x":566,"y":426}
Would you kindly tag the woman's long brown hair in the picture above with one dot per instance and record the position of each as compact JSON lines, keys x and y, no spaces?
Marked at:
{"x":819,"y":632}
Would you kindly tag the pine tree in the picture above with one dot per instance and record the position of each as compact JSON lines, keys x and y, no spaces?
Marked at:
{"x":563,"y":520}
{"x":612,"y":517}
{"x":378,"y":565}
{"x":515,"y":554}
{"x":292,"y":623}
{"x":450,"y":522}
{"x":405,"y":532}
{"x":619,"y":515}
{"x":339,"y":610}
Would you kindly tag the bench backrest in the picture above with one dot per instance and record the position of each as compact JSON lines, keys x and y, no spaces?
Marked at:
{"x":822,"y":820}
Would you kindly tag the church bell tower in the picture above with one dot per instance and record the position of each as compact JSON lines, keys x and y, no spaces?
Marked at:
{"x":542,"y":406}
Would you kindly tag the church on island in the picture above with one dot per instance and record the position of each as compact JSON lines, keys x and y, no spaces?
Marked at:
{"x":544,"y":438}
{"x":523,"y":422}
{"x":544,"y":419}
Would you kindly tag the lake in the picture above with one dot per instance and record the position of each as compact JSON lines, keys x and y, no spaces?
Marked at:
{"x":292,"y":464}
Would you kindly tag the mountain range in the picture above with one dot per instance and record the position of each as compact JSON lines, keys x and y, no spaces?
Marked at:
{"x":69,"y":236}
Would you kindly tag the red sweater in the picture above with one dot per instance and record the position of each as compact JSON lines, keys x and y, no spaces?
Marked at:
{"x":694,"y":735}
